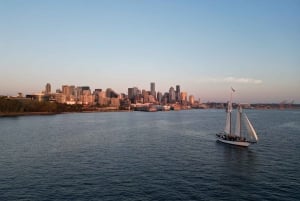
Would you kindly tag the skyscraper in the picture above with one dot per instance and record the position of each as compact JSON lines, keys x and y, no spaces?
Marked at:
{"x":177,"y":93}
{"x":48,"y":88}
{"x":152,"y":89}
{"x":183,"y":97}
{"x":132,"y":93}
{"x":159,"y":97}
{"x":111,"y":93}
{"x":172,"y":97}
{"x":69,"y":92}
{"x":191,"y":99}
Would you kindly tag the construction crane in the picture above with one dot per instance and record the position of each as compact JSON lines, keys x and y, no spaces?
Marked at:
{"x":290,"y":104}
{"x":282,"y":104}
{"x":286,"y":104}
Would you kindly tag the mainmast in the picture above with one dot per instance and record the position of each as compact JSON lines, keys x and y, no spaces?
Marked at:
{"x":230,"y":109}
{"x":228,"y":126}
{"x":238,"y":125}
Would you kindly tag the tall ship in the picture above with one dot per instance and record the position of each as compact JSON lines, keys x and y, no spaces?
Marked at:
{"x":236,"y":136}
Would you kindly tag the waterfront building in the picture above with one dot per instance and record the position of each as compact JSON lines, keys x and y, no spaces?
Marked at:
{"x":69,"y":92}
{"x":103,"y":101}
{"x":183,"y":97}
{"x":96,"y":94}
{"x":125,"y":104}
{"x":65,"y":90}
{"x":85,"y":88}
{"x":159,"y":97}
{"x":78,"y":93}
{"x":111,"y":93}
{"x":123,"y":96}
{"x":60,"y":98}
{"x":151,"y":99}
{"x":38,"y":97}
{"x":152,"y":89}
{"x":145,"y":95}
{"x":102,"y":94}
{"x":177,"y":94}
{"x":165,"y":98}
{"x":133,"y":93}
{"x":130,"y":93}
{"x":191,"y":99}
{"x":48,"y":88}
{"x":172,"y":96}
{"x":87,"y":98}
{"x":115,"y":102}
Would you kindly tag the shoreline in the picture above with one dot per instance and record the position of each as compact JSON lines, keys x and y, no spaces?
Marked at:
{"x":17,"y":114}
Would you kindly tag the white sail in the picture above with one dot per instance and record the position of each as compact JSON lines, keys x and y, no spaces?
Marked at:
{"x":228,"y":122}
{"x":250,"y":128}
{"x":228,"y":118}
{"x":238,"y":122}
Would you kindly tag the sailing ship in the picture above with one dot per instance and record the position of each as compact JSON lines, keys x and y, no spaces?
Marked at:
{"x":237,"y":137}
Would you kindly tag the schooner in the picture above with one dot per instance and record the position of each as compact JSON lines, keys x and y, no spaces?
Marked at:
{"x":236,"y":136}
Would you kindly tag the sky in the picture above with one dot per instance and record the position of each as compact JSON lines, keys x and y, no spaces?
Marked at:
{"x":205,"y":46}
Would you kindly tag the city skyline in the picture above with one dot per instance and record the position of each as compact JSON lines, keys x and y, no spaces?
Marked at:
{"x":206,"y":47}
{"x":69,"y":89}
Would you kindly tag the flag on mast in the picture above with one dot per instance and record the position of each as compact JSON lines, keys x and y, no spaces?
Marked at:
{"x":233,"y":90}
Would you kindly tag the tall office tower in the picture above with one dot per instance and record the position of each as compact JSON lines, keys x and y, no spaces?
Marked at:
{"x":178,"y":99}
{"x":183,"y":96}
{"x":165,"y":98}
{"x":68,"y":91}
{"x":48,"y":88}
{"x":191,"y":99}
{"x":78,"y":93}
{"x":145,"y":96}
{"x":98,"y":90}
{"x":152,"y":87}
{"x":132,"y":92}
{"x":72,"y":89}
{"x":65,"y":90}
{"x":159,"y":97}
{"x":172,"y":97}
{"x":111,"y":93}
{"x":97,"y":93}
{"x":85,"y":88}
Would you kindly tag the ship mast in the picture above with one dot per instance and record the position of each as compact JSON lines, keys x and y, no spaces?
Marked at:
{"x":230,"y":110}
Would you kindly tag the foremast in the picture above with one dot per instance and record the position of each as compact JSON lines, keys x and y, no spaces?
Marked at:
{"x":228,"y":126}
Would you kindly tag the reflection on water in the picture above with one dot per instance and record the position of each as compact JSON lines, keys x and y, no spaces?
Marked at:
{"x":236,"y":157}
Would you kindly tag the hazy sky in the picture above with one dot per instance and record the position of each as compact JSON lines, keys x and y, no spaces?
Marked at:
{"x":204,"y":46}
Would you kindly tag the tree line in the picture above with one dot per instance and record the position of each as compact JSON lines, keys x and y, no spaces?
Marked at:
{"x":23,"y":106}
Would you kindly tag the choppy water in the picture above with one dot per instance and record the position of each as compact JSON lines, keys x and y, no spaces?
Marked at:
{"x":147,"y":156}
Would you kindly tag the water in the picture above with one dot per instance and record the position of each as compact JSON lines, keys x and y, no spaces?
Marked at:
{"x":147,"y":156}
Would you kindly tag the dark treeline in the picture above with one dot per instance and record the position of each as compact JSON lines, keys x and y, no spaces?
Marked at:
{"x":19,"y":106}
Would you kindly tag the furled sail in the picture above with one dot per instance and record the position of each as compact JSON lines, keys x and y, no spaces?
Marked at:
{"x":250,"y":128}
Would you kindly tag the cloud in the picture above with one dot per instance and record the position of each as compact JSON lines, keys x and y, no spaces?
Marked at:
{"x":242,"y":80}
